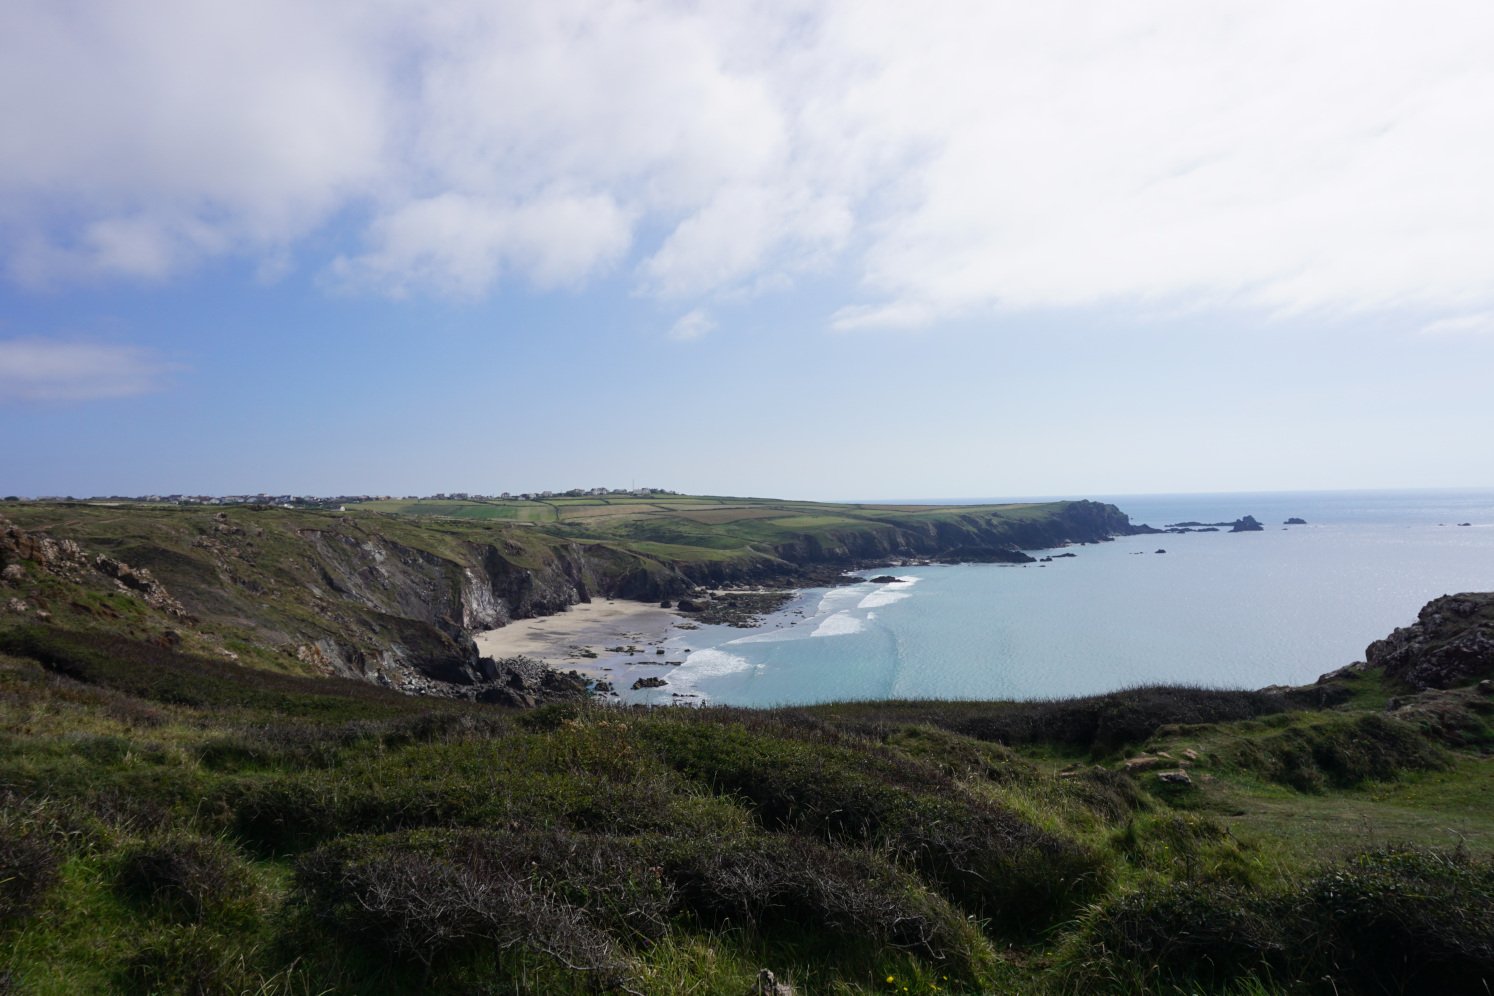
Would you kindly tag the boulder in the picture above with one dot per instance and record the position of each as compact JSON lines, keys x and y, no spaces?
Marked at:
{"x":1177,"y":776}
{"x":649,"y":683}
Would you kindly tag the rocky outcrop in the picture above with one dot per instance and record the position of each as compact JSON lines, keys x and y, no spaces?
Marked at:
{"x":67,"y":560}
{"x":1247,"y":524}
{"x":1450,"y":644}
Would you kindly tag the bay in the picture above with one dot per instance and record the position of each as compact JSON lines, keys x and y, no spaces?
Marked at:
{"x":1217,"y":609}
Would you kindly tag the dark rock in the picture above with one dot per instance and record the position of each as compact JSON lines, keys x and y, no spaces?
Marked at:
{"x":768,"y":985}
{"x":1246,"y":525}
{"x":649,"y":683}
{"x":1294,"y":521}
{"x":688,"y":605}
{"x":1450,"y":644}
{"x":1177,"y":776}
{"x":1160,"y":550}
{"x":879,"y":579}
{"x":1465,"y":523}
{"x":666,"y":604}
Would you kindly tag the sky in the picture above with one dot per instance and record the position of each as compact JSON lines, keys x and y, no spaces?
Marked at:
{"x":818,"y":250}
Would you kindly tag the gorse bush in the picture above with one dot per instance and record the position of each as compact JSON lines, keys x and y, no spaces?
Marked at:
{"x":990,"y":859}
{"x":1380,"y":923}
{"x":585,"y":901}
{"x":1339,"y":751}
{"x":185,"y":878}
{"x":29,"y":859}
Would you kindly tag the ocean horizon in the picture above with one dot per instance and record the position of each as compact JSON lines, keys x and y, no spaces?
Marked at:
{"x":1238,"y":610}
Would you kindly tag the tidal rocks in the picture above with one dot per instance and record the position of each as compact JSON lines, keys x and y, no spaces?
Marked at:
{"x":1248,"y":524}
{"x":649,"y":683}
{"x":1294,"y":521}
{"x":1160,"y":550}
{"x":883,"y":579}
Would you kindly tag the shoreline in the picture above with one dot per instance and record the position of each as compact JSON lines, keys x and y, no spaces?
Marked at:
{"x":585,"y":637}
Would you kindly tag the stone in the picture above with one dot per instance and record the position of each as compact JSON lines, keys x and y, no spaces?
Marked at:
{"x":1177,"y":776}
{"x":649,"y":683}
{"x":768,"y":985}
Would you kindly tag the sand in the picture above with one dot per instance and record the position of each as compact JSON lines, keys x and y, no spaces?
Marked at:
{"x":593,"y":626}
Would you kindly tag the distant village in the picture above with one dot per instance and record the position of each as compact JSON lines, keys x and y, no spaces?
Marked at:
{"x":340,"y":501}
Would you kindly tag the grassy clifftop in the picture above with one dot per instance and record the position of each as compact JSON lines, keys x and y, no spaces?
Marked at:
{"x":170,"y":823}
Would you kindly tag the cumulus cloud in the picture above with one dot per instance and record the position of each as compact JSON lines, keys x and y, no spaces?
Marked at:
{"x":45,"y":370}
{"x":1479,"y":323}
{"x":692,"y":325}
{"x":953,"y":159}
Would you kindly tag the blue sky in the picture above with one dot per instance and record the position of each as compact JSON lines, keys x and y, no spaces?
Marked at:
{"x":818,"y":250}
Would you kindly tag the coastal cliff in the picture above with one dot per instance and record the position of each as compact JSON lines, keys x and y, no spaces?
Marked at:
{"x":395,"y":600}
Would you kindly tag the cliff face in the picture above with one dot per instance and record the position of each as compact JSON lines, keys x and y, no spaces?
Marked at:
{"x":396,"y":600}
{"x":975,"y":536}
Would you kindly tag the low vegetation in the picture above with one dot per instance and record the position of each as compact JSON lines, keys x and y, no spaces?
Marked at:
{"x":174,"y":824}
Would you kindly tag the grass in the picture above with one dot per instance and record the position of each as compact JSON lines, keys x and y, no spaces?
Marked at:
{"x":169,"y":823}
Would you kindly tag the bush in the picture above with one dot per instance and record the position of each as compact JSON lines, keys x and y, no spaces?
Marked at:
{"x":992,"y":861}
{"x":29,"y":861}
{"x":1385,"y":922}
{"x":185,"y":878}
{"x":1340,"y":751}
{"x":585,"y":900}
{"x":1405,"y":920}
{"x":191,"y":960}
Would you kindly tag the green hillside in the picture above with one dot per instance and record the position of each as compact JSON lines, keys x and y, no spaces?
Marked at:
{"x":170,"y":823}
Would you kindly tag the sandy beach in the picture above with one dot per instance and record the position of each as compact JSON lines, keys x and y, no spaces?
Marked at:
{"x":578,"y":638}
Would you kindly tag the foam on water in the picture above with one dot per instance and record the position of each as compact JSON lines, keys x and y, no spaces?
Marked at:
{"x":840,"y":624}
{"x":712,"y":663}
{"x":889,"y":593}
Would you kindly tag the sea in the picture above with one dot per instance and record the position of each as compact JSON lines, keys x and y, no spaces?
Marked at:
{"x":1220,"y":610}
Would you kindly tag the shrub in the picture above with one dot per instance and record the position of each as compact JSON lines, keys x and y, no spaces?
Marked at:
{"x":1385,"y":922}
{"x":192,"y":960}
{"x":29,"y":861}
{"x":1404,"y":920}
{"x":1340,"y":751}
{"x":585,"y":900}
{"x":185,"y":878}
{"x":985,"y":857}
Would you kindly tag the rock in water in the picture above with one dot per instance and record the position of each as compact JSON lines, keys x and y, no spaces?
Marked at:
{"x":1246,"y":525}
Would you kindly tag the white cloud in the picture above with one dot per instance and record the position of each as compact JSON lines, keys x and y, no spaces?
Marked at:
{"x":692,"y":325}
{"x":463,"y":245}
{"x":47,"y":370}
{"x":957,"y":158}
{"x":1480,"y":323}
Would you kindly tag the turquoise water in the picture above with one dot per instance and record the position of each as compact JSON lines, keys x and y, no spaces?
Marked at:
{"x":1234,"y":610}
